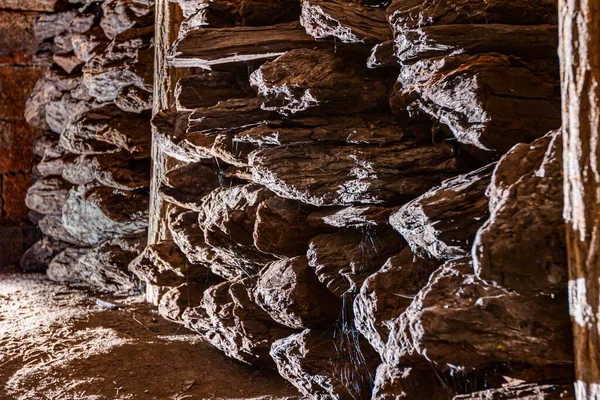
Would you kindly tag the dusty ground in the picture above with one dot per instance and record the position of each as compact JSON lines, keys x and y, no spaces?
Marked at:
{"x":57,"y":343}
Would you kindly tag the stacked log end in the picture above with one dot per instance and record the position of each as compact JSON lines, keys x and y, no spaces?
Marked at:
{"x":356,"y":194}
{"x":90,"y":199}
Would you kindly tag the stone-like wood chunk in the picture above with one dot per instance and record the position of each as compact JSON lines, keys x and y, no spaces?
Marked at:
{"x":345,"y":21}
{"x":207,"y":47}
{"x":524,"y":391}
{"x":163,"y":264}
{"x":489,"y":101}
{"x":526,"y":206}
{"x":319,"y":80}
{"x":282,"y":227}
{"x":324,"y":365}
{"x":117,"y":170}
{"x":289,"y":291}
{"x":459,"y":321}
{"x":388,"y":292}
{"x":527,"y":42}
{"x":94,"y":213}
{"x":207,"y":89}
{"x":443,"y":222}
{"x":352,"y":174}
{"x":121,"y":15}
{"x":48,"y":195}
{"x":412,"y":14}
{"x":229,"y":319}
{"x":343,"y":260}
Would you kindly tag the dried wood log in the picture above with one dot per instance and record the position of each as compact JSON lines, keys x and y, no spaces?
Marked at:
{"x":344,"y":21}
{"x":174,"y":303}
{"x":187,"y":185}
{"x":393,"y":383}
{"x":48,"y":26}
{"x":48,"y":195}
{"x":188,"y":235}
{"x":163,"y":264}
{"x":133,"y":99}
{"x":121,"y":15}
{"x":105,"y":266}
{"x":526,"y":206}
{"x":527,"y":42}
{"x":383,"y":55}
{"x":488,"y":101}
{"x":108,"y":129}
{"x":289,"y":291}
{"x":229,"y":115}
{"x":228,"y":216}
{"x":524,"y":391}
{"x":240,"y":12}
{"x":352,"y":174}
{"x":54,"y":100}
{"x":323,"y":366}
{"x":228,"y":318}
{"x":379,"y":129}
{"x":417,"y":13}
{"x":117,"y":170}
{"x":282,"y":229}
{"x":127,"y":60}
{"x":388,"y":292}
{"x":93,"y":214}
{"x":343,"y":260}
{"x":38,"y":257}
{"x":52,"y":226}
{"x":443,"y":222}
{"x":460,"y":322}
{"x":319,"y":80}
{"x":61,"y":266}
{"x":208,"y":47}
{"x":350,"y":217}
{"x":208,"y":89}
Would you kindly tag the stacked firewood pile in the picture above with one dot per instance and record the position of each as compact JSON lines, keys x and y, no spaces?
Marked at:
{"x":364,"y":196}
{"x":347,"y":203}
{"x":91,"y":197}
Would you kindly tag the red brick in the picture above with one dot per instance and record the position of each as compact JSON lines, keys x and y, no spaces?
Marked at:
{"x":14,"y":189}
{"x":16,"y":141}
{"x":31,"y":5}
{"x":18,"y":43}
{"x":16,"y":84}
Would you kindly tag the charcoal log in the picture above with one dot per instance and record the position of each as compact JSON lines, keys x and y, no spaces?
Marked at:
{"x":52,"y":226}
{"x":460,"y":322}
{"x":48,"y":195}
{"x":228,"y":216}
{"x":524,"y":391}
{"x":319,"y":80}
{"x":93,"y":214}
{"x":323,"y":365}
{"x":282,"y":228}
{"x":386,"y":294}
{"x":289,"y":291}
{"x":229,"y":319}
{"x":61,"y":268}
{"x":526,"y":42}
{"x":526,"y":206}
{"x":187,"y":185}
{"x":350,"y":217}
{"x":488,"y":101}
{"x":117,"y":170}
{"x":413,"y":14}
{"x":38,"y":257}
{"x":209,"y":47}
{"x":345,"y":22}
{"x":121,"y":15}
{"x":343,"y":260}
{"x":174,"y":303}
{"x":163,"y":264}
{"x":443,"y":222}
{"x":394,"y":383}
{"x":352,"y":174}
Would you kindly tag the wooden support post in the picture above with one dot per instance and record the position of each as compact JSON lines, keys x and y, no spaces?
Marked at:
{"x":580,"y":74}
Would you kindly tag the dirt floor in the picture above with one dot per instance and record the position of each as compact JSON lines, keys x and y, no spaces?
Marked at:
{"x":57,"y":342}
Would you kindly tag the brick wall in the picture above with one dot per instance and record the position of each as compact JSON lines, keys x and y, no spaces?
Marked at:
{"x":19,"y":72}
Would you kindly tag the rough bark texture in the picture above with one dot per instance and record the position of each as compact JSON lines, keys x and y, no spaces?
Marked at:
{"x":580,"y":74}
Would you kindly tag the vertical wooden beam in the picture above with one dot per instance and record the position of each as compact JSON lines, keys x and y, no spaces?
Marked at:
{"x":580,"y":75}
{"x":167,"y":18}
